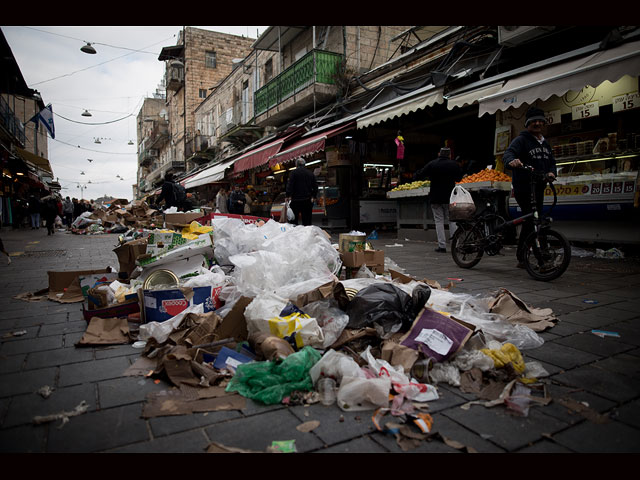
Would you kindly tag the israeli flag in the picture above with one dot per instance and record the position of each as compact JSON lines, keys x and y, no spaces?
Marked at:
{"x":46,"y":117}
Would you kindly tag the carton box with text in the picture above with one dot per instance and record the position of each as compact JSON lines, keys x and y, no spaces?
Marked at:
{"x":161,"y":305}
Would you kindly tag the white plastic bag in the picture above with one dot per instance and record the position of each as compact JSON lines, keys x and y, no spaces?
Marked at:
{"x":290,"y":215}
{"x":330,"y":318}
{"x":360,"y":393}
{"x":461,"y":204}
{"x":337,"y":365}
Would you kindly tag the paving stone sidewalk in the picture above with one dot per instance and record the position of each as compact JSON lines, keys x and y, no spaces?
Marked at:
{"x":594,"y":381}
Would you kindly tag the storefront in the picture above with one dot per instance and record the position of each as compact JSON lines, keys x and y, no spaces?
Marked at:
{"x":593,"y":109}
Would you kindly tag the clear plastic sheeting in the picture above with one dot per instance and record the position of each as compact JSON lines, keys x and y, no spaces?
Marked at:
{"x":475,"y":310}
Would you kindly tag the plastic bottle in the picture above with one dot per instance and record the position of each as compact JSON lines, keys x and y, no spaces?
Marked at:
{"x":327,"y":389}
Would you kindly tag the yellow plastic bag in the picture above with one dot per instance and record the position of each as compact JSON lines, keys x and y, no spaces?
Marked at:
{"x":305,"y":328}
{"x":508,"y":353}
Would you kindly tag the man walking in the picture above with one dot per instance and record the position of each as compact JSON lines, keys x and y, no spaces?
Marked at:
{"x":443,"y":173}
{"x":302,"y":190}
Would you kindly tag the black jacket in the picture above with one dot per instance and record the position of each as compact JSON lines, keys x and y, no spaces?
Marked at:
{"x":530,"y":151}
{"x":443,"y":173}
{"x":302,"y":184}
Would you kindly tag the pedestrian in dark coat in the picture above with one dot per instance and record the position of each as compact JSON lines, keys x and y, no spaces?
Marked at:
{"x":50,"y":212}
{"x":302,"y":190}
{"x":443,"y":173}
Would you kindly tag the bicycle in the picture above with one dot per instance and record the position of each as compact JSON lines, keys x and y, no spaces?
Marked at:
{"x":547,"y":251}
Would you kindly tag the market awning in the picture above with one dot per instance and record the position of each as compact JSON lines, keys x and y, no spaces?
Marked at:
{"x":308,"y":145}
{"x":472,"y":96}
{"x":558,"y":79}
{"x":257,"y":157}
{"x":37,"y":160}
{"x":411,"y":102}
{"x":208,"y":175}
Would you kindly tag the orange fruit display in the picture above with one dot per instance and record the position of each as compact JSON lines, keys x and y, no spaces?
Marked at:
{"x":486,"y":175}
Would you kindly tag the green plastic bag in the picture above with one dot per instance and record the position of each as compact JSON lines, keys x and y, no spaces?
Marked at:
{"x":269,"y":382}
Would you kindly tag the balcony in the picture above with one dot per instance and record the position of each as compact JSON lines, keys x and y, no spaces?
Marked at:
{"x":10,"y":123}
{"x":318,"y":67}
{"x":174,"y":76}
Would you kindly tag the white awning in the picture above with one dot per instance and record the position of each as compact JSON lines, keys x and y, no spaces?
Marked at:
{"x":208,"y":175}
{"x":471,"y":97}
{"x":403,"y":105}
{"x":558,"y":79}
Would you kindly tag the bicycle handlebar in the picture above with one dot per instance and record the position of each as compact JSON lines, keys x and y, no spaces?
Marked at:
{"x":543,"y":176}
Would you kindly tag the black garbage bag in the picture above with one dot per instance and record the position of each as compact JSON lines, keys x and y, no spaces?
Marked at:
{"x":384,"y":307}
{"x":420,"y":297}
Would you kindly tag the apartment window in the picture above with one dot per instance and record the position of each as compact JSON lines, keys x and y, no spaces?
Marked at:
{"x":268,"y":70}
{"x":202,"y":93}
{"x":210,"y":59}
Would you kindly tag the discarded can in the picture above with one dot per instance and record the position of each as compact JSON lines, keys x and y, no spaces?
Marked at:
{"x":420,"y":369}
{"x":327,"y":389}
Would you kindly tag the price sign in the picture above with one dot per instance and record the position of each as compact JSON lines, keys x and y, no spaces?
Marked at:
{"x":626,"y":102}
{"x":553,"y":117}
{"x":585,"y":110}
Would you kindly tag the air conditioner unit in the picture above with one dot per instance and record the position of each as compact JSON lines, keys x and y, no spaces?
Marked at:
{"x":511,"y":36}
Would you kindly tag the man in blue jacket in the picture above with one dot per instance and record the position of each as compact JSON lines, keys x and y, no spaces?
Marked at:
{"x":302,"y":190}
{"x":529,"y":148}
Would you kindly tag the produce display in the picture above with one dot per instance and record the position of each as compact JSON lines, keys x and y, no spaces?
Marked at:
{"x":486,"y":175}
{"x":412,"y":185}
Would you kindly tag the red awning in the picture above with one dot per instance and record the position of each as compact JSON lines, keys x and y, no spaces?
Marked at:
{"x":308,"y":145}
{"x":257,"y":157}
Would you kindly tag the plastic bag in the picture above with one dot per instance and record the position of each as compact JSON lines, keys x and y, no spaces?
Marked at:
{"x":383,"y":306}
{"x":336,"y":365}
{"x":359,"y":393}
{"x":290,"y":215}
{"x":461,"y":204}
{"x":331,"y":319}
{"x":269,"y":382}
{"x":269,"y":313}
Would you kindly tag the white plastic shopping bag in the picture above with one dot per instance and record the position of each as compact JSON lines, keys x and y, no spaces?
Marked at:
{"x":461,"y":204}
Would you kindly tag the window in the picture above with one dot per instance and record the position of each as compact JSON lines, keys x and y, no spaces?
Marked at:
{"x":268,"y":70}
{"x":210,"y":59}
{"x":202,"y":93}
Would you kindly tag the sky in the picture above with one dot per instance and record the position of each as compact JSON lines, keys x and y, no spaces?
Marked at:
{"x":111,"y":85}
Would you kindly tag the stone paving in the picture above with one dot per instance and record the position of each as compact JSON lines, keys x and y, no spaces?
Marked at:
{"x":599,"y":373}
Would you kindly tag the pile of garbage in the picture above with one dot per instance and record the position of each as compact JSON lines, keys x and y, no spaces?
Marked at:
{"x":119,"y":217}
{"x":264,"y":311}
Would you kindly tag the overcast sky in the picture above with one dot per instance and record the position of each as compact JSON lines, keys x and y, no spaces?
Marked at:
{"x":111,"y":85}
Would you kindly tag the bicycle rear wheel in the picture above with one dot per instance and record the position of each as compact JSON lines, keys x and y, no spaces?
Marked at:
{"x":467,"y":246}
{"x":550,"y":258}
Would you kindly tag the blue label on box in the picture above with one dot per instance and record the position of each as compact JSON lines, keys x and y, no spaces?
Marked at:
{"x":161,"y":305}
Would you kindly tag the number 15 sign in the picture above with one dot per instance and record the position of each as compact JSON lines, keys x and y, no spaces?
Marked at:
{"x":626,"y":102}
{"x":585,"y":110}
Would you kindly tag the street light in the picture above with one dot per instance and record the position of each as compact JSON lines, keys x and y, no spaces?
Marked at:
{"x":86,"y":113}
{"x":88,"y":49}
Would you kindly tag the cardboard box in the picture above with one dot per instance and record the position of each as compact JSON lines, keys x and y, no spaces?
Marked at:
{"x":161,"y":305}
{"x":373,"y":259}
{"x":203,"y":245}
{"x":129,"y":252}
{"x":181,"y":219}
{"x":64,"y":287}
{"x":88,"y":281}
{"x":119,"y":310}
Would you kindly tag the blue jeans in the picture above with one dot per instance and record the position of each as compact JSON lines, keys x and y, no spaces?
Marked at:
{"x":35,"y":220}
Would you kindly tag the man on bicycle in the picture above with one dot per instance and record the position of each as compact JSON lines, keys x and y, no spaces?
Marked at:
{"x":531,"y":149}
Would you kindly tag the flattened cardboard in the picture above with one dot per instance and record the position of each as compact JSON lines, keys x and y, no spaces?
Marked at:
{"x":176,"y":402}
{"x":129,"y":252}
{"x":106,"y":331}
{"x":436,"y":335}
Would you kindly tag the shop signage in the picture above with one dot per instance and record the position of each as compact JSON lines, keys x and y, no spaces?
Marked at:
{"x":553,"y":117}
{"x":626,"y":102}
{"x":598,"y":188}
{"x":585,"y":110}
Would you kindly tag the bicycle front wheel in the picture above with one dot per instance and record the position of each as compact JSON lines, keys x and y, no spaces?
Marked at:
{"x":547,"y":255}
{"x":467,"y":246}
